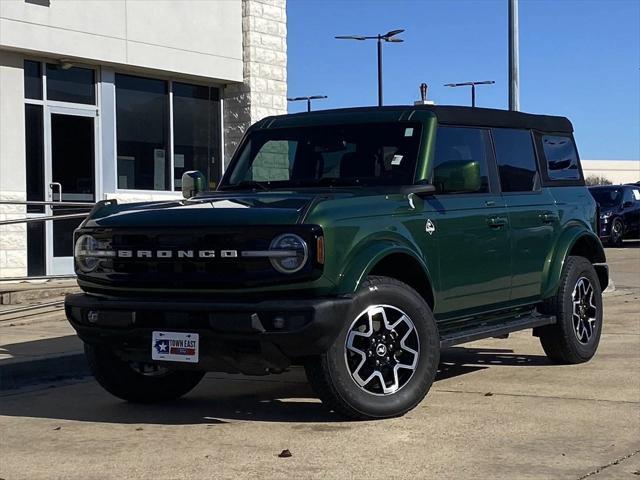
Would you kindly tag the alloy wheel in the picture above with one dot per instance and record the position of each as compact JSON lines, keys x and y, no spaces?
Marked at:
{"x":382,"y":349}
{"x":584,"y":310}
{"x":616,"y":231}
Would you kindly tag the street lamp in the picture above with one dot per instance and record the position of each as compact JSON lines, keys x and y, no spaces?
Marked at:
{"x":308,"y":99}
{"x":387,"y":37}
{"x":473,"y":87}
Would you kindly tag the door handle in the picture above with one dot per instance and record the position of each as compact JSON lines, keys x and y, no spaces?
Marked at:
{"x":59,"y":185}
{"x":496,"y":222}
{"x":549,"y":217}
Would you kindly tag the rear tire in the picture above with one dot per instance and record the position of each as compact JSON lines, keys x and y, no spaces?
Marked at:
{"x":129,"y":381}
{"x":389,"y":330}
{"x":574,"y":338}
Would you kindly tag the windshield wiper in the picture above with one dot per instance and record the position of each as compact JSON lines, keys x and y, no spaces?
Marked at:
{"x":246,"y":184}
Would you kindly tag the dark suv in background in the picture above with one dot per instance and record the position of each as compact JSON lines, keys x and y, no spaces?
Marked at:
{"x":619,"y":212}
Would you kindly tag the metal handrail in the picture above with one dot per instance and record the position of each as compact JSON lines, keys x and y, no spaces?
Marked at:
{"x":45,"y":218}
{"x":38,"y":203}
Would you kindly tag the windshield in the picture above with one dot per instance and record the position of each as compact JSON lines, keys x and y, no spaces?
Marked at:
{"x":607,"y":197}
{"x":327,"y":155}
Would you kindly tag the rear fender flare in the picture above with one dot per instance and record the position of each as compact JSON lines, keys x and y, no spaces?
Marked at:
{"x":558,"y":255}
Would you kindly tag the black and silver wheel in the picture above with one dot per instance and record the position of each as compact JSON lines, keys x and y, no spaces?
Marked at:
{"x":137,"y":381}
{"x":382,"y":349}
{"x":617,"y":232}
{"x":384,"y":360}
{"x":578,"y":309}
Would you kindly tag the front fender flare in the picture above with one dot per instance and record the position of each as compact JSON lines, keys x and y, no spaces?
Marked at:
{"x":368,"y":257}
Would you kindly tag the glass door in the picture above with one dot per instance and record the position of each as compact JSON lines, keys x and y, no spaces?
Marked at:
{"x":70,"y":171}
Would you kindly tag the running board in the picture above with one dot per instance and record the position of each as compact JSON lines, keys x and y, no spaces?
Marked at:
{"x":496,"y":329}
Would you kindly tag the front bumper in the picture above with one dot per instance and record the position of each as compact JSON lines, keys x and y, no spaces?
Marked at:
{"x":251,"y":338}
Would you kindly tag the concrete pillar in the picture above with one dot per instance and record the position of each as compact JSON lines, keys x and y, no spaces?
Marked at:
{"x":13,"y":238}
{"x":264,"y":88}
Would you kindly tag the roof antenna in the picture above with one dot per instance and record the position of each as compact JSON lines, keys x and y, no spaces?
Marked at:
{"x":423,"y":96}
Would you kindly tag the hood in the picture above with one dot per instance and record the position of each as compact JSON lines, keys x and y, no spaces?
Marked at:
{"x":225,"y":208}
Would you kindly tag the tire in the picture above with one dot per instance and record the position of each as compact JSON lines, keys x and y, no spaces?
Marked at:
{"x":575,"y":337}
{"x":335,"y":374}
{"x":127,"y":382}
{"x":617,"y":232}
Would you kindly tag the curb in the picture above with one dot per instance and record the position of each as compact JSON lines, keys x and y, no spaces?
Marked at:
{"x":21,"y":374}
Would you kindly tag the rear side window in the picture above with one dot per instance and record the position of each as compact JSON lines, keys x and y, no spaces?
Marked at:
{"x":562,"y":157}
{"x":461,"y":160}
{"x":516,"y":159}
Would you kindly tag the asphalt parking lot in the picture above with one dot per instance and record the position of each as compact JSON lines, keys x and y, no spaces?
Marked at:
{"x":497,"y":410}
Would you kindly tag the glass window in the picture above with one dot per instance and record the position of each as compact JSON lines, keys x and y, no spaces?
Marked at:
{"x":75,"y":85}
{"x":562,"y":158}
{"x":34,"y":148}
{"x":32,"y":80}
{"x":461,"y":160}
{"x":36,"y":251}
{"x":196,"y":132}
{"x":628,"y":196}
{"x":607,"y":197}
{"x":142,"y":120}
{"x":358,"y":154}
{"x":516,"y":159}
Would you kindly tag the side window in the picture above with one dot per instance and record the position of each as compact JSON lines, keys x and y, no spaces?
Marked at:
{"x":629,"y":196}
{"x":562,"y":158}
{"x":461,"y":160}
{"x":516,"y":160}
{"x":273,"y":161}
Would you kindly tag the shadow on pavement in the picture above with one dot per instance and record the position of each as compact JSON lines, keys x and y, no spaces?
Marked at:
{"x":221,"y":399}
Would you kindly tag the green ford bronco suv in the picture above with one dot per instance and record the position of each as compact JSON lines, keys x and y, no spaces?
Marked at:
{"x":357,"y":243}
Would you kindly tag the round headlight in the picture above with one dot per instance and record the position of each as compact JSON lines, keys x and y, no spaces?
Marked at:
{"x":289,"y":253}
{"x":88,"y":252}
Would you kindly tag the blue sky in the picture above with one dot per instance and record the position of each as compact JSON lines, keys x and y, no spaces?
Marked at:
{"x":578,"y":58}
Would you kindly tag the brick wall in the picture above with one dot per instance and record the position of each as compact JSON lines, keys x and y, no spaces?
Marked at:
{"x":264,"y":90}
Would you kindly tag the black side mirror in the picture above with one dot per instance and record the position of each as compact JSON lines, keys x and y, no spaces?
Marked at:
{"x":193,"y":182}
{"x":627,"y":204}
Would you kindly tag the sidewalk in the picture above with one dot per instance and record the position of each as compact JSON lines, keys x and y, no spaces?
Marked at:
{"x":39,"y":348}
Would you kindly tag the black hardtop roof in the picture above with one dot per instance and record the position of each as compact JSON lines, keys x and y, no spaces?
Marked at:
{"x":446,"y":114}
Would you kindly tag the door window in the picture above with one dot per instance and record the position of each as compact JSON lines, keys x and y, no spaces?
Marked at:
{"x":516,"y":160}
{"x":461,"y":160}
{"x":72,"y":166}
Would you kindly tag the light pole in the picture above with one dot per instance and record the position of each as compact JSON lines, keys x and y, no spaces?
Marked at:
{"x":387,"y":37}
{"x":514,"y":57}
{"x":308,"y":99}
{"x":473,"y":87}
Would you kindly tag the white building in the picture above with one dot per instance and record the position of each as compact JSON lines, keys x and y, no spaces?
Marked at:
{"x":117,"y":98}
{"x":616,"y":171}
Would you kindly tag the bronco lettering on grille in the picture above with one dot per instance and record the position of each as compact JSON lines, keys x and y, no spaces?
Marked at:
{"x":176,"y":253}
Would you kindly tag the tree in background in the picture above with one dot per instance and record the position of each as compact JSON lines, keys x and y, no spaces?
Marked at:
{"x":597,"y":180}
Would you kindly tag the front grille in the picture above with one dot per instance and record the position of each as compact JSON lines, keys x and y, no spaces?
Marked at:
{"x":197,"y":272}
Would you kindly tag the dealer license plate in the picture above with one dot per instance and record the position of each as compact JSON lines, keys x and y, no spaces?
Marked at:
{"x":175,"y":347}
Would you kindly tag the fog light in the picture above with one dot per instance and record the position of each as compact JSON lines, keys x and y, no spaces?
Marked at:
{"x":278,"y":323}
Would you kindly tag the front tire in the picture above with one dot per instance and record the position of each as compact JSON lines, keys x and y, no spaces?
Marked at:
{"x":617,"y":233}
{"x":574,"y":338}
{"x":385,"y":358}
{"x":135,"y":382}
